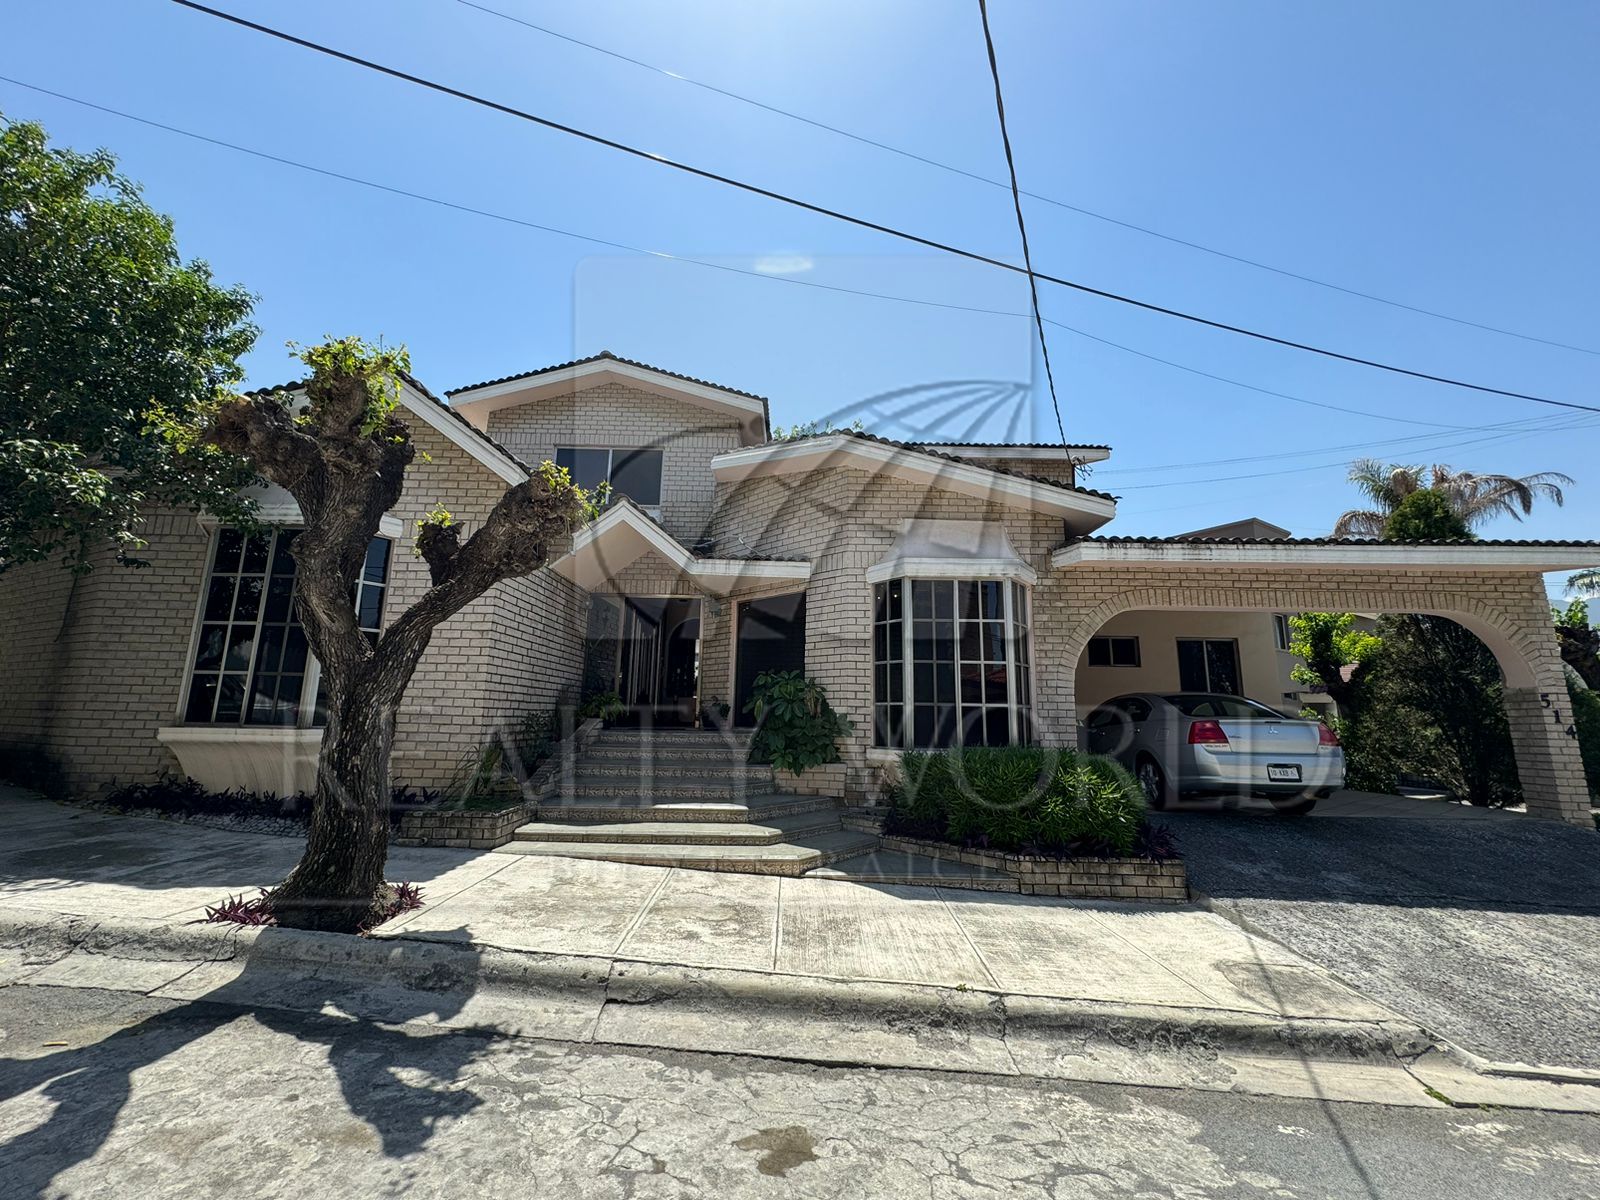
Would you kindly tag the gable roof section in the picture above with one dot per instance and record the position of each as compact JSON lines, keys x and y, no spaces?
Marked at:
{"x":434,"y":412}
{"x":624,"y":533}
{"x":478,"y":400}
{"x":1081,"y":508}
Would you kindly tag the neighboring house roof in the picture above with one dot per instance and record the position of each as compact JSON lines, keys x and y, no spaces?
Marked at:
{"x":478,"y":400}
{"x":625,"y":533}
{"x":1249,"y":527}
{"x":1042,"y":451}
{"x":1291,"y":552}
{"x":422,"y":403}
{"x":1081,"y":507}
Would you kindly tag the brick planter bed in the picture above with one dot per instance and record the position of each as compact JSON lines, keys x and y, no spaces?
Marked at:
{"x":1156,"y":880}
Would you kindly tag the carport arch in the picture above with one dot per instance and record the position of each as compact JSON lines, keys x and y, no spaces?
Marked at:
{"x":1523,"y":644}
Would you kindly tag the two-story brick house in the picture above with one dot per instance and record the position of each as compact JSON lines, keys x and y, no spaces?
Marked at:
{"x":941,"y":594}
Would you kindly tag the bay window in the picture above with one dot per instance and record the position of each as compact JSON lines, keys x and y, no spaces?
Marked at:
{"x":252,"y":664}
{"x":951,"y":663}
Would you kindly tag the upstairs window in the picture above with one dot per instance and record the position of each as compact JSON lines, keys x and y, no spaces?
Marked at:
{"x":635,"y":474}
{"x":252,"y":664}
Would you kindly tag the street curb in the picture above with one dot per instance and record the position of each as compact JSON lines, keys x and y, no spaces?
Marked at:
{"x":458,"y":985}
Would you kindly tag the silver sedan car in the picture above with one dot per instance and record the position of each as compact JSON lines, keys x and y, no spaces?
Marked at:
{"x":1191,"y":743}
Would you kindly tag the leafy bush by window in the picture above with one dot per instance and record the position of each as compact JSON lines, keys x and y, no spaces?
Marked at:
{"x":1025,"y":798}
{"x":1586,"y":716}
{"x":796,"y":726}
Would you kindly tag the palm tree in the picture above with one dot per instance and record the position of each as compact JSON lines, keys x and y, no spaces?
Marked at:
{"x":1475,"y":498}
{"x":1585,"y":583}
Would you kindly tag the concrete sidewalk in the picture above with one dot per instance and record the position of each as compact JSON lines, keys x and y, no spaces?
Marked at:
{"x":816,"y":970}
{"x":72,"y":861}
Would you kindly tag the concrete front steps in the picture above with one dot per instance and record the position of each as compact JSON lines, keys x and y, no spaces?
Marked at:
{"x":690,"y":798}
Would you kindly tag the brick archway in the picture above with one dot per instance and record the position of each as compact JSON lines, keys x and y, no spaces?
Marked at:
{"x":1509,"y":613}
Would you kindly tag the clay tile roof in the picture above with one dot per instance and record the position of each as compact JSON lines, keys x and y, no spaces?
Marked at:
{"x":603,"y":356}
{"x":1330,"y":541}
{"x":925,"y":448}
{"x":1021,"y":445}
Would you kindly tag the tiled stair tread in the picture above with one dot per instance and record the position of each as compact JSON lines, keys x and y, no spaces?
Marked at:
{"x":687,"y":752}
{"x":791,"y":858}
{"x":709,"y":833}
{"x":650,"y":808}
{"x":754,"y":801}
{"x":720,"y":783}
{"x":670,"y":737}
{"x":664,"y":768}
{"x":898,"y":866}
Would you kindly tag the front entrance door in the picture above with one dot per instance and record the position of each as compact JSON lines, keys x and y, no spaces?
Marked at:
{"x":658,"y":665}
{"x":771,"y":637}
{"x":1209,"y":665}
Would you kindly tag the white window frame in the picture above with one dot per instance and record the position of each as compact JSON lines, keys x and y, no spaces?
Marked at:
{"x":1281,"y":634}
{"x":907,"y":664}
{"x":611,"y":460}
{"x":312,"y":682}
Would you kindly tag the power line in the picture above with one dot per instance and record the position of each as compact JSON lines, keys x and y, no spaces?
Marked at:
{"x":859,"y":222}
{"x":1051,"y":200}
{"x":700,"y":262}
{"x":1022,"y":226}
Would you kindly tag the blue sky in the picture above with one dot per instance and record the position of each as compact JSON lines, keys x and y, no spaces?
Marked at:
{"x":1441,"y":155}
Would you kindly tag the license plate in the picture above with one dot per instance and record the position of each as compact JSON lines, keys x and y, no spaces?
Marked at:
{"x":1284,"y":773}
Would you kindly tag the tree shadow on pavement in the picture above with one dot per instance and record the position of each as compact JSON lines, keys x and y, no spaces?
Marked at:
{"x":90,"y":1085}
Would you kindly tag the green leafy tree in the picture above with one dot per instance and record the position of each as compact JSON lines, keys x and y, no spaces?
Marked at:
{"x":343,"y":457}
{"x":1425,"y":516}
{"x":1585,"y":583}
{"x":1335,"y":655}
{"x":1475,"y":498}
{"x":110,"y":346}
{"x":1579,"y":641}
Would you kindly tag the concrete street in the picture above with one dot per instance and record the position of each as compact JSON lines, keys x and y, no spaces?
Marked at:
{"x":110,"y":1095}
{"x":1483,"y":927}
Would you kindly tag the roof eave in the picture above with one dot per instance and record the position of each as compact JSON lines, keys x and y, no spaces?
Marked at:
{"x":1464,"y":556}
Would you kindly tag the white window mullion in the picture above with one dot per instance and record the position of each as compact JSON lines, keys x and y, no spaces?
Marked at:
{"x":1009,"y":589}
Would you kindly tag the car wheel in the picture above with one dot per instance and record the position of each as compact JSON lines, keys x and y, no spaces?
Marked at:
{"x":1153,"y":783}
{"x":1296,"y":806}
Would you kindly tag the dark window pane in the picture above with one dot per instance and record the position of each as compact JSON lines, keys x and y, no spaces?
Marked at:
{"x":1191,"y":665}
{"x":880,"y":683}
{"x":944,"y":731}
{"x":202,"y":695}
{"x":922,"y":682}
{"x":994,"y":641}
{"x":1099,"y":652}
{"x":376,"y":569}
{"x":637,"y":475}
{"x":972,"y":727}
{"x":880,"y":725}
{"x":994,"y":601}
{"x":263,"y":700}
{"x":968,"y":594}
{"x":897,"y":649}
{"x":1222,"y":665}
{"x":279,"y":593}
{"x":247,"y":601}
{"x":971,"y":683}
{"x":944,"y":599}
{"x":921,"y":598}
{"x":256,"y":547}
{"x":589,"y":468}
{"x":289,"y":689}
{"x":271,"y":650}
{"x":971,"y":647}
{"x":241,"y":640}
{"x":282,"y":560}
{"x":294,"y":650}
{"x":229,"y":543}
{"x":998,"y":727}
{"x":995,"y":684}
{"x":880,"y":602}
{"x":880,"y":643}
{"x":945,"y":681}
{"x":1125,"y":652}
{"x":895,"y":599}
{"x":897,"y":682}
{"x":230,"y":700}
{"x":367,"y":615}
{"x":212,"y":639}
{"x":922,"y":725}
{"x":219,"y":598}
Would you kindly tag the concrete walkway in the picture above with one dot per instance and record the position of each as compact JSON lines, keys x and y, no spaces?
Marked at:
{"x":67,"y":860}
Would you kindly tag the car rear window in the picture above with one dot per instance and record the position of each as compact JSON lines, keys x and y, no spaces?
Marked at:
{"x":1235,"y":708}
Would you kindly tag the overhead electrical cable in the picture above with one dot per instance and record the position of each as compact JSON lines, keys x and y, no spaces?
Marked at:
{"x":861,"y":222}
{"x":912,"y":155}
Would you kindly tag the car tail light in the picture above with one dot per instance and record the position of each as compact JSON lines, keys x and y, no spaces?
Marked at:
{"x":1207,"y":733}
{"x":1326,"y":736}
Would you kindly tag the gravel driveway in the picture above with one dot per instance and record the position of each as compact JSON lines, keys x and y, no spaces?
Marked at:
{"x":1487,"y":932}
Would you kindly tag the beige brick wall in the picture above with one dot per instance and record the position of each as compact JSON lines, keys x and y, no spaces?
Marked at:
{"x":1509,"y":611}
{"x":617,"y":416}
{"x":92,"y":683}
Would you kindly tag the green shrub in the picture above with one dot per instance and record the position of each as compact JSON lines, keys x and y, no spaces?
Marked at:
{"x":607,"y":706}
{"x":1020,"y":798}
{"x":796,"y":727}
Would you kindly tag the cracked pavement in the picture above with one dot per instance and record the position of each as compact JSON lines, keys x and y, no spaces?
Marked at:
{"x":116,"y":1095}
